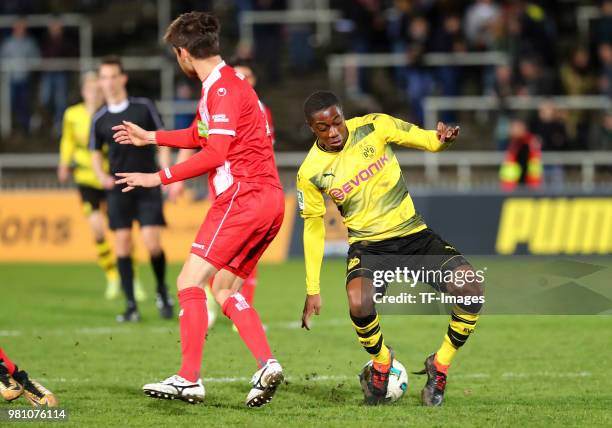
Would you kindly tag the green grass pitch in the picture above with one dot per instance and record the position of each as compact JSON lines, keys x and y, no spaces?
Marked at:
{"x":514,"y":370}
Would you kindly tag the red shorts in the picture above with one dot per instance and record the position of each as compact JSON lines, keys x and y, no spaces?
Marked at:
{"x":239,"y":226}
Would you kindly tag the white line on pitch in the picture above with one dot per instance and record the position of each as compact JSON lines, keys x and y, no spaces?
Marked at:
{"x":336,"y":378}
{"x":150,"y":329}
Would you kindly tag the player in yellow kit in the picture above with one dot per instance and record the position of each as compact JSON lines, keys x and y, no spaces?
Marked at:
{"x":352,"y":162}
{"x":75,"y":158}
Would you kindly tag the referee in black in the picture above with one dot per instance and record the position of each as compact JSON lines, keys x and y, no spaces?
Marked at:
{"x":143,"y":204}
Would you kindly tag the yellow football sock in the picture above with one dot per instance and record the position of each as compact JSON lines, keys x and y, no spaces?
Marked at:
{"x":460,"y":327}
{"x":106,"y":260}
{"x":371,"y":338}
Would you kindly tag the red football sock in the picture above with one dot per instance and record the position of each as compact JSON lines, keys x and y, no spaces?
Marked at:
{"x":193,"y":321}
{"x":440,"y":367}
{"x":248,"y":288}
{"x":7,"y":362}
{"x":249,"y":327}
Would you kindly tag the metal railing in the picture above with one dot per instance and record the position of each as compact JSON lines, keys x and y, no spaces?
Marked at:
{"x":82,"y":22}
{"x":584,"y":16}
{"x":464,"y":163}
{"x":130,"y":63}
{"x":336,"y":64}
{"x":433,"y":105}
{"x":321,"y":15}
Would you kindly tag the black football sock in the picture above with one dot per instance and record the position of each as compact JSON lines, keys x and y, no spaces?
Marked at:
{"x":126,"y":271}
{"x":158,"y":263}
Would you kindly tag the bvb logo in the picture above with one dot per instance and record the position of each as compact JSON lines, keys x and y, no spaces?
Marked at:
{"x":368,"y":152}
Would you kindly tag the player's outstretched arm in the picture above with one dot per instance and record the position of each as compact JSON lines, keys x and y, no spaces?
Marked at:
{"x":409,"y":135}
{"x":138,"y":179}
{"x":314,"y":244}
{"x":207,"y":159}
{"x":130,"y":133}
{"x":210,"y":157}
{"x":446,"y":133}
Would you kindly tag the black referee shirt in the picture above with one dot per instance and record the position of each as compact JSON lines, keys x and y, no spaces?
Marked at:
{"x":125,"y":157}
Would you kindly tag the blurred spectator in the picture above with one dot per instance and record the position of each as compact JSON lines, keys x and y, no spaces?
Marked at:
{"x":301,"y":55}
{"x":368,"y":34}
{"x":536,"y":33}
{"x":54,"y":84}
{"x":448,"y":38}
{"x":269,"y":41}
{"x":417,"y":75}
{"x":183,"y":93}
{"x":576,"y":76}
{"x":502,"y":89}
{"x":523,"y":161}
{"x":501,"y":132}
{"x":533,"y":79}
{"x":549,"y":126}
{"x":480,"y":24}
{"x":577,"y":79}
{"x":605,"y":77}
{"x":603,"y":133}
{"x":601,"y":27}
{"x":17,"y":50}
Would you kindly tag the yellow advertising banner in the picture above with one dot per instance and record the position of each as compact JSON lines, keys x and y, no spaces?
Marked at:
{"x":49,"y":226}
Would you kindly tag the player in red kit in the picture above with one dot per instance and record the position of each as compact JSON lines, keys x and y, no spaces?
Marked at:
{"x":246,"y":69}
{"x":235,"y":150}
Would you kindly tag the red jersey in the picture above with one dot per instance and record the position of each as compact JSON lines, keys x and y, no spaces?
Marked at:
{"x":268,"y":113}
{"x":232,"y":130}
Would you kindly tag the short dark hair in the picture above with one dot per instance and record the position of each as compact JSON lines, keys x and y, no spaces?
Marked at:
{"x":318,"y":101}
{"x":112,"y":60}
{"x":197,"y":32}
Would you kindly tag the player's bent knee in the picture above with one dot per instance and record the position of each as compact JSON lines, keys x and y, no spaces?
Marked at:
{"x":124,"y":247}
{"x":196,"y":272}
{"x":469,"y":286}
{"x":361,"y":311}
{"x":473,"y":298}
{"x":225,"y":285}
{"x":361,"y":303}
{"x":154,"y":251}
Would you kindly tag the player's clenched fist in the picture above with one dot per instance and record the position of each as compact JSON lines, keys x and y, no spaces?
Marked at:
{"x":138,"y":179}
{"x":130,"y":133}
{"x":311,"y":305}
{"x":447,"y":134}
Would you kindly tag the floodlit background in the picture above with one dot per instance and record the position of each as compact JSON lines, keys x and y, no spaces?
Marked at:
{"x":530,"y":84}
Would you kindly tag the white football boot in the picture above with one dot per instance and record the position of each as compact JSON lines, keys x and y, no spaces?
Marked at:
{"x":265,"y":381}
{"x":176,"y":387}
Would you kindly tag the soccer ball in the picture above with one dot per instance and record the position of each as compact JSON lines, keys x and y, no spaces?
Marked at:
{"x":398,"y":381}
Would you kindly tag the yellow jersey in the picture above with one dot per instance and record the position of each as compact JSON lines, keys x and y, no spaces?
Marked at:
{"x":364,"y":179}
{"x":74,"y":146}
